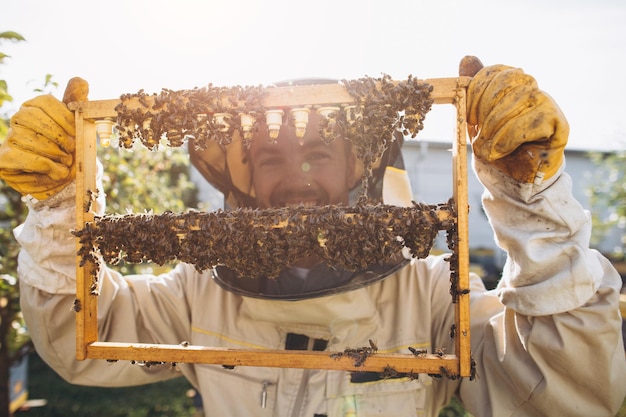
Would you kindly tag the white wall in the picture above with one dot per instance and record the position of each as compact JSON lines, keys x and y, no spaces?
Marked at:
{"x":430,"y":169}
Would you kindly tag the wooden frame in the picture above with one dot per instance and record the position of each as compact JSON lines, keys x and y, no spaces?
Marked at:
{"x":445,"y":91}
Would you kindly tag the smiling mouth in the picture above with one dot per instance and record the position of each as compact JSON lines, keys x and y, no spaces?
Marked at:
{"x":298,"y":198}
{"x":300,"y":203}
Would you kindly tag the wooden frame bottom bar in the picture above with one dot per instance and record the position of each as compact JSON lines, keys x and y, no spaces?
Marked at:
{"x":428,"y":363}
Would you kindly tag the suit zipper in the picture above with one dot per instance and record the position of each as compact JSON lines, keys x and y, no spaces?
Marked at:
{"x":302,"y":388}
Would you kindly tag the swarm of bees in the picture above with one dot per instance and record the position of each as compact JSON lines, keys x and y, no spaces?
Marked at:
{"x":187,"y":115}
{"x":256,"y":243}
{"x":264,"y":242}
{"x":358,"y":355}
{"x":382,"y":107}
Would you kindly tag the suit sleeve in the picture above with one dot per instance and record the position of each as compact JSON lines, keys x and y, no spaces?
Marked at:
{"x":130,"y":308}
{"x":556,"y":348}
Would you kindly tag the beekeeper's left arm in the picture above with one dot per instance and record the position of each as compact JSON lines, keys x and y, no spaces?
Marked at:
{"x":557,"y":348}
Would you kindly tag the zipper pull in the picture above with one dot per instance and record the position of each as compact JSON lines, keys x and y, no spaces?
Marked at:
{"x":266,"y":383}
{"x":349,"y":406}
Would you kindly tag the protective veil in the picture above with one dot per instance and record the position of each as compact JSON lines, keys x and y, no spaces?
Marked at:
{"x":228,"y":169}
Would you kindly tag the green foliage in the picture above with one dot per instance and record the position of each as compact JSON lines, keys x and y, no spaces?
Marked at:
{"x":48,"y":83}
{"x":162,"y":399}
{"x":13,"y":332}
{"x":4,"y":87}
{"x":454,"y":409}
{"x":608,"y":197}
{"x":622,"y":409}
{"x":9,"y":36}
{"x":12,"y":213}
{"x":139,"y":179}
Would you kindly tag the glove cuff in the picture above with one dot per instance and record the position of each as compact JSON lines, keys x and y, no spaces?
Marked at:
{"x":497,"y":181}
{"x":532,"y":162}
{"x":65,"y":197}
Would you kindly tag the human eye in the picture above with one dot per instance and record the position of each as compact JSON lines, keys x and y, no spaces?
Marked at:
{"x":318,"y":156}
{"x":269,"y":161}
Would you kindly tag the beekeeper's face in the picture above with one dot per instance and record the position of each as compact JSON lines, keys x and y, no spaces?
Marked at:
{"x":305,"y":171}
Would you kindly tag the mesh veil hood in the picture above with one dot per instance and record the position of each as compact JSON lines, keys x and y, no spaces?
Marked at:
{"x":227,"y":168}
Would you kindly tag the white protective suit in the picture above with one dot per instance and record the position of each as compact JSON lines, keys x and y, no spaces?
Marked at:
{"x":547,"y":341}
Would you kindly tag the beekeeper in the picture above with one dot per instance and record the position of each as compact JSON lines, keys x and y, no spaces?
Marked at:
{"x":547,"y":341}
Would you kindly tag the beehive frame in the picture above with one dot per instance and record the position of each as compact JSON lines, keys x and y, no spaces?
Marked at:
{"x":450,"y":91}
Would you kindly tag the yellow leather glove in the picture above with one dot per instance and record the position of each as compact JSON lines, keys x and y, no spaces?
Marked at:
{"x":37,"y":156}
{"x":512,"y":124}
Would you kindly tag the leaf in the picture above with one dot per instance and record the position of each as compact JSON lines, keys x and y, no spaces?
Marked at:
{"x":13,"y":36}
{"x":4,"y":93}
{"x":50,"y":81}
{"x":4,"y":128}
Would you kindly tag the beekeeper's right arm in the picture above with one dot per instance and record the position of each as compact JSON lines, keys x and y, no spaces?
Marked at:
{"x":37,"y":159}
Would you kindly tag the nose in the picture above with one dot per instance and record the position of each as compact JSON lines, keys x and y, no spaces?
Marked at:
{"x":298,"y":173}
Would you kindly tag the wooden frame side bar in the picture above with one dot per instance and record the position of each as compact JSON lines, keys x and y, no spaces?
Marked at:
{"x":85,"y":304}
{"x":460,"y":190}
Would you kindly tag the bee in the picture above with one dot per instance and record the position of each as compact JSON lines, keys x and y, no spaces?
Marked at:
{"x":76,"y":306}
{"x":359,"y":355}
{"x":184,"y":343}
{"x":91,"y":196}
{"x":450,"y":375}
{"x":417,"y":352}
{"x":452,"y":331}
{"x":141,"y":96}
{"x":87,"y":204}
{"x":389,"y":372}
{"x":441,"y":352}
{"x":149,"y":364}
{"x":412,"y":375}
{"x":360,"y":360}
{"x":473,"y":372}
{"x":373,"y":346}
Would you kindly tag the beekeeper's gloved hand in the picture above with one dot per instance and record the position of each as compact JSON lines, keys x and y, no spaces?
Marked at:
{"x":37,"y":156}
{"x":513,"y":125}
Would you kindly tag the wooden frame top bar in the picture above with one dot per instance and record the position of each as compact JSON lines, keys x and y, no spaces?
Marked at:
{"x":291,"y":96}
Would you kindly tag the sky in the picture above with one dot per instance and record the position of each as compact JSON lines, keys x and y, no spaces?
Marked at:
{"x":575,"y":49}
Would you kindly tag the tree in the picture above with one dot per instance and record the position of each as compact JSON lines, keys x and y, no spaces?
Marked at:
{"x":14,"y":340}
{"x":608,"y":198}
{"x":4,"y":88}
{"x":140,"y":180}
